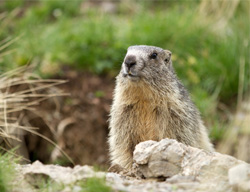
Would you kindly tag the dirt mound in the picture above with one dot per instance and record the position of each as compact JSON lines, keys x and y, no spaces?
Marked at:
{"x":77,"y":123}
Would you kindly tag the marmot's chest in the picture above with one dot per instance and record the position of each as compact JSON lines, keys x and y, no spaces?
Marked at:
{"x":144,"y":121}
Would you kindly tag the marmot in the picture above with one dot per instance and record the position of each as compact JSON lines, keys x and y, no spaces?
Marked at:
{"x":150,"y":103}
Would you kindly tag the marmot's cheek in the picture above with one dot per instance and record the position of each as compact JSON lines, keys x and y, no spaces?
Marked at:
{"x":124,"y":70}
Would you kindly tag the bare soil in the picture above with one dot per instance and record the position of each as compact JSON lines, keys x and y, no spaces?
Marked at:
{"x":77,"y":123}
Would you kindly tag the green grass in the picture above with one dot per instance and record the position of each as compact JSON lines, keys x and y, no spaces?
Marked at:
{"x":206,"y":59}
{"x":48,"y":185}
{"x":98,"y":42}
{"x":41,"y":182}
{"x":94,"y":184}
{"x":7,"y":172}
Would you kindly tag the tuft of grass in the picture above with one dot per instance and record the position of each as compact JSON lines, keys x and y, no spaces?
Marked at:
{"x":62,"y":161}
{"x":94,"y":184}
{"x":7,"y":171}
{"x":14,"y":101}
{"x":47,"y":185}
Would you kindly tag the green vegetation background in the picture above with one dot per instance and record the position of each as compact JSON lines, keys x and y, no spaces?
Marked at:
{"x":209,"y":53}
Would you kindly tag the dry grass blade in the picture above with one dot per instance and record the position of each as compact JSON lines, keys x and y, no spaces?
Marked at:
{"x":13,"y":154}
{"x":220,"y":12}
{"x":50,"y":141}
{"x":237,"y":138}
{"x":21,"y":90}
{"x":8,"y":43}
{"x":7,"y":52}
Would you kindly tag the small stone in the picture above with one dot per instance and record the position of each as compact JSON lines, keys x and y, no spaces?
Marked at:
{"x":143,"y":152}
{"x":76,"y":189}
{"x":162,"y":169}
{"x":67,"y":189}
{"x":239,"y":174}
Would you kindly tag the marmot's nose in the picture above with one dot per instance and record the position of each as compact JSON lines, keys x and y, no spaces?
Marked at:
{"x":130,"y":61}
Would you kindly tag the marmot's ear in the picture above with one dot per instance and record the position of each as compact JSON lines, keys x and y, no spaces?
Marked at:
{"x":168,"y":56}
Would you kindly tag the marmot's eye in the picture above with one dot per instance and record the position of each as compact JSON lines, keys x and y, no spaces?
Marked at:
{"x":153,"y":56}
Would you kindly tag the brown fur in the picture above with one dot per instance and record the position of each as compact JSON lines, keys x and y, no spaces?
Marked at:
{"x":151,"y":105}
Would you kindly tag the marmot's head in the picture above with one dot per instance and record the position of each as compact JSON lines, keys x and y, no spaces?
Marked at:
{"x":145,"y":62}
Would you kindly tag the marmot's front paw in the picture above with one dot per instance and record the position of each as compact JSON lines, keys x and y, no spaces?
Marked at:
{"x":115,"y":168}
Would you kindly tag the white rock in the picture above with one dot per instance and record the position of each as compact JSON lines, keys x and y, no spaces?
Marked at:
{"x":239,"y":177}
{"x":210,"y":169}
{"x":143,"y":152}
{"x":66,"y":175}
{"x":181,"y":169}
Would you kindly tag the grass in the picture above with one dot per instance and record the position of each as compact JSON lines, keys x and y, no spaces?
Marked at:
{"x":207,"y":58}
{"x":21,"y":90}
{"x":94,"y":184}
{"x":7,"y":172}
{"x":8,"y":180}
{"x":48,"y":185}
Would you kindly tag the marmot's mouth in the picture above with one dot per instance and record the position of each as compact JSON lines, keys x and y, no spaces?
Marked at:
{"x":131,"y":76}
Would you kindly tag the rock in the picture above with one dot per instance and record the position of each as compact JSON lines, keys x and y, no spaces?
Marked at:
{"x":143,"y":152}
{"x":131,"y":184}
{"x":158,"y":159}
{"x":206,"y":171}
{"x":167,"y":166}
{"x":36,"y":174}
{"x":239,"y":177}
{"x":66,"y":175}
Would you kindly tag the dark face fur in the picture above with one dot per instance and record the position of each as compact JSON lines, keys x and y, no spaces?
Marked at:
{"x":145,"y":62}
